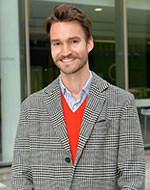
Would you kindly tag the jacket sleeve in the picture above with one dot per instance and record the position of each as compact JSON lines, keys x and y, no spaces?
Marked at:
{"x":131,"y":161}
{"x":21,"y":175}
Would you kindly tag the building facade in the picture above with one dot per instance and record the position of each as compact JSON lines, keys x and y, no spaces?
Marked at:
{"x":121,"y":31}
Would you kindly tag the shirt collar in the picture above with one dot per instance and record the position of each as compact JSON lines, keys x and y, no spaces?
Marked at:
{"x":85,"y":89}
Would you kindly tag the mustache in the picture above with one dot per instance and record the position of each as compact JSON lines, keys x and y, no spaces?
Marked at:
{"x":67,"y":57}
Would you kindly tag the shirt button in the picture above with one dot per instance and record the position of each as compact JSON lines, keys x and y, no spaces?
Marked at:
{"x":67,"y":160}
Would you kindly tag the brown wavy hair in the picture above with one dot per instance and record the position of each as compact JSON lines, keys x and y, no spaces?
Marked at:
{"x":67,"y":13}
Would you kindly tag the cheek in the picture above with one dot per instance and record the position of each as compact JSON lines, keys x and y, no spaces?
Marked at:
{"x":84,"y":52}
{"x":54,"y":53}
{"x":80,"y":50}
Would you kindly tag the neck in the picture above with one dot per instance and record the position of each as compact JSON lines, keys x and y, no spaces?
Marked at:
{"x":75,"y":82}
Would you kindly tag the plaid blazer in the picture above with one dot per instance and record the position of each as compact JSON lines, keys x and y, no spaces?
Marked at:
{"x":110,"y":154}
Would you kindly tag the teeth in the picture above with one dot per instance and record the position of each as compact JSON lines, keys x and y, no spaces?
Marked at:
{"x":67,"y":60}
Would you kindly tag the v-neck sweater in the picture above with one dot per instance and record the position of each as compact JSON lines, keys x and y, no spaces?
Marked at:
{"x":73,"y":121}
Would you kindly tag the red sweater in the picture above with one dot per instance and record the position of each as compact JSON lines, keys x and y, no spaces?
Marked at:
{"x":73,"y":122}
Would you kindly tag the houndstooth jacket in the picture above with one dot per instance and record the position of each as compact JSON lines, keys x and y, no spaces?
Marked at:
{"x":110,"y":154}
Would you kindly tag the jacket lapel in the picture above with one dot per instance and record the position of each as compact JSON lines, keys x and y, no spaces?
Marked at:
{"x":95,"y":105}
{"x":54,"y":107}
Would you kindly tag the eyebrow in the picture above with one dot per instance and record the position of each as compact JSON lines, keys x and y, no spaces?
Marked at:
{"x":54,"y":40}
{"x":74,"y":37}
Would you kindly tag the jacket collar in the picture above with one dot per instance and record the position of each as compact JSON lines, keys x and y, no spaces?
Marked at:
{"x":97,"y":81}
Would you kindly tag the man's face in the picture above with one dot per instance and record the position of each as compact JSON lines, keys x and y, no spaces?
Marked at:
{"x":69,"y":48}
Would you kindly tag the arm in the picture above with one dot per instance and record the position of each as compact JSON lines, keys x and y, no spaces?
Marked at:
{"x":21,"y":178}
{"x":131,"y":162}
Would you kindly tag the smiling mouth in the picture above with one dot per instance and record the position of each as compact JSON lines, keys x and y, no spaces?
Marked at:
{"x":67,"y":60}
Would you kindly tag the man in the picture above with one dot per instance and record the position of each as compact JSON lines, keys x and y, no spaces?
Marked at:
{"x":80,"y":132}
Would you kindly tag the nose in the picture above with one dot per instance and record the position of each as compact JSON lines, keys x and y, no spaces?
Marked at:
{"x":66,"y":50}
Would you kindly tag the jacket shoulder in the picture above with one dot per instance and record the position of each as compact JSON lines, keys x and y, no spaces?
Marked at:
{"x":114,"y":94}
{"x":37,"y":98}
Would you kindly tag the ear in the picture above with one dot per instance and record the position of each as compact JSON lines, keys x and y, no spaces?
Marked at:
{"x":90,"y":44}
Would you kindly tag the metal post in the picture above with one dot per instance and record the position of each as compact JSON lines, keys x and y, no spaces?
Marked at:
{"x":121,"y":44}
{"x":126,"y":74}
{"x":27,"y":47}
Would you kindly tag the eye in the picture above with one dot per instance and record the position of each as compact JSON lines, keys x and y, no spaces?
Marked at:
{"x":56,"y":44}
{"x":75,"y":41}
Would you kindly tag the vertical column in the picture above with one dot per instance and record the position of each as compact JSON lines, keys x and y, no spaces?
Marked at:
{"x":121,"y":44}
{"x":10,"y":75}
{"x":27,"y":47}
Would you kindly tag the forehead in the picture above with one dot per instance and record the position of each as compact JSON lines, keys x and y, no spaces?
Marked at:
{"x":63,"y":30}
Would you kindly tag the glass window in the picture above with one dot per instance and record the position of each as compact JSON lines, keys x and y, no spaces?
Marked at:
{"x":101,"y":59}
{"x":138,"y":24}
{"x":11,"y":65}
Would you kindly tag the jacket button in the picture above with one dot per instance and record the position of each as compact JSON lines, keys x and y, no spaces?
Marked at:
{"x":67,"y":160}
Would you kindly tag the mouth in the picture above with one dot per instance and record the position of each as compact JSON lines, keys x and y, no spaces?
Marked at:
{"x":67,"y":60}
